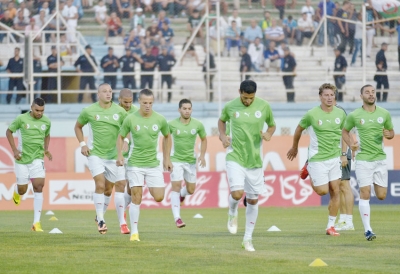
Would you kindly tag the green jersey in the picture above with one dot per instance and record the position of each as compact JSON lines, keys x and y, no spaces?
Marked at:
{"x":31,"y":134}
{"x":104,"y":125}
{"x":246,"y":122}
{"x":325,"y":130}
{"x":369,"y":130}
{"x":144,"y":134}
{"x":184,"y":138}
{"x":132,"y":110}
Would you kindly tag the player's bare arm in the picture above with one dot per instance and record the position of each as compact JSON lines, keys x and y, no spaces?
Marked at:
{"x":167,"y":144}
{"x":203,"y":149}
{"x":120,"y":145}
{"x":266,"y":136}
{"x":125,"y":145}
{"x":226,"y":140}
{"x":292,"y":153}
{"x":388,"y":134}
{"x":343,"y":158}
{"x":46,"y":148}
{"x":79,"y":135}
{"x":10,"y":138}
{"x":350,"y":142}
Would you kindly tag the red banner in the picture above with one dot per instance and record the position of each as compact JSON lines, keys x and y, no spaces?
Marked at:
{"x":71,"y":191}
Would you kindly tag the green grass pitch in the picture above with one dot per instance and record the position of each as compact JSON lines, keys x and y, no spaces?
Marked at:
{"x":203,"y":246}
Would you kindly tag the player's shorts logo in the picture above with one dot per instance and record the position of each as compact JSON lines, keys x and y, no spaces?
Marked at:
{"x":137,"y":127}
{"x":337,"y":121}
{"x":319,"y":122}
{"x":237,"y":114}
{"x":257,"y":114}
{"x":178,"y":132}
{"x":362,"y":121}
{"x":43,"y":127}
{"x":116,"y":117}
{"x":97,"y":117}
{"x":193,"y":131}
{"x":155,"y":127}
{"x":27,"y":126}
{"x":380,"y":120}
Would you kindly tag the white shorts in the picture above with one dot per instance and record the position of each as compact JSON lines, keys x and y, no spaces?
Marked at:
{"x":251,"y":180}
{"x":109,"y":168}
{"x":25,"y":172}
{"x":122,"y":172}
{"x":323,"y":172}
{"x":184,"y":171}
{"x":152,"y":175}
{"x":369,"y":173}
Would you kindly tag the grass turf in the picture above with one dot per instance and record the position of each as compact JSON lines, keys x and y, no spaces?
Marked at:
{"x":203,"y":246}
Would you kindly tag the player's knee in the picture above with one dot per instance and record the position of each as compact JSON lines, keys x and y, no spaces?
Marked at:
{"x":119,"y":187}
{"x":159,"y":198}
{"x":381,"y":196}
{"x":22,"y":189}
{"x":237,"y":195}
{"x":321,"y":192}
{"x":190,"y":189}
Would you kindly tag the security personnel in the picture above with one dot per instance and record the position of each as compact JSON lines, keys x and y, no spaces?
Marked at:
{"x":149,"y":63}
{"x":85,"y":66}
{"x":15,"y":65}
{"x":289,"y":65}
{"x":165,"y":63}
{"x":128,"y":65}
{"x":37,"y":68}
{"x":110,"y":63}
{"x":52,"y":64}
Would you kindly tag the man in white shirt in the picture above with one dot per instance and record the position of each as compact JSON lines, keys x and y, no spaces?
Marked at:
{"x":256,"y":52}
{"x":235,"y":17}
{"x":305,"y":27}
{"x":26,"y":12}
{"x":70,"y":13}
{"x":308,"y":9}
{"x":274,"y":33}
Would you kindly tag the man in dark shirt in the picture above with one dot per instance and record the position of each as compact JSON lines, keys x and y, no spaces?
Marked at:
{"x":37,"y":68}
{"x":53,"y":65}
{"x":15,"y":65}
{"x":165,"y":62}
{"x":381,"y":80}
{"x":148,"y":64}
{"x":128,"y":65}
{"x":212,"y":72}
{"x":342,"y":28}
{"x":340,"y":80}
{"x":110,"y":63}
{"x":8,"y":21}
{"x":245,"y":63}
{"x":193,"y":22}
{"x":289,"y":65}
{"x":85,"y":66}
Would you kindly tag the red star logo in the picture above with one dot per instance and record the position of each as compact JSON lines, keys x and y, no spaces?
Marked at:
{"x":64,"y":192}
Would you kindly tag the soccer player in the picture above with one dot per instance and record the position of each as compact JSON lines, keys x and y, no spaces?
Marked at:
{"x":144,"y":126}
{"x":372,"y":123}
{"x":105,"y":119}
{"x":122,"y":198}
{"x":33,"y":129}
{"x":324,"y":124}
{"x":184,"y":131}
{"x":247,"y":116}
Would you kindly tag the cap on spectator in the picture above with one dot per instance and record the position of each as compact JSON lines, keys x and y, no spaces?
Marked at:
{"x":53,"y":47}
{"x":88,"y":47}
{"x":110,"y":48}
{"x":32,"y":20}
{"x":139,"y":10}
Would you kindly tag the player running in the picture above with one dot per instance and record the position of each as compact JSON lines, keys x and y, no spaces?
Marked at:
{"x":104,"y":119}
{"x":33,"y":129}
{"x":324,"y":124}
{"x":372,"y":123}
{"x":122,"y":198}
{"x":184,"y":131}
{"x":144,"y":126}
{"x":247,"y":116}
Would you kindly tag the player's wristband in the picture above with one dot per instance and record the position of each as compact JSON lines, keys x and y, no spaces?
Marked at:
{"x":126,"y":140}
{"x":82,"y":144}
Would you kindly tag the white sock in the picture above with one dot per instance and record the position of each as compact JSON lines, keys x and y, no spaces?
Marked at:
{"x":365,"y":212}
{"x":342,"y":218}
{"x":176,"y":204}
{"x":184,"y":192}
{"x":251,"y":219}
{"x":134,"y":212}
{"x":331,"y":221}
{"x":106,"y":203}
{"x":349,"y":219}
{"x":119,"y":202}
{"x":98,"y":200}
{"x":16,"y":188}
{"x":37,"y":206}
{"x":233,"y":206}
{"x":127,"y":199}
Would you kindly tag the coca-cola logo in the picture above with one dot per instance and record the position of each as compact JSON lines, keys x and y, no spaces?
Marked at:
{"x":196,"y":199}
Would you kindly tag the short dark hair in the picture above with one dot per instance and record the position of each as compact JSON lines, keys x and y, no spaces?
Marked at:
{"x":184,"y":101}
{"x":248,"y":86}
{"x":38,"y":101}
{"x":363,"y":87}
{"x":146,"y":92}
{"x":326,"y":86}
